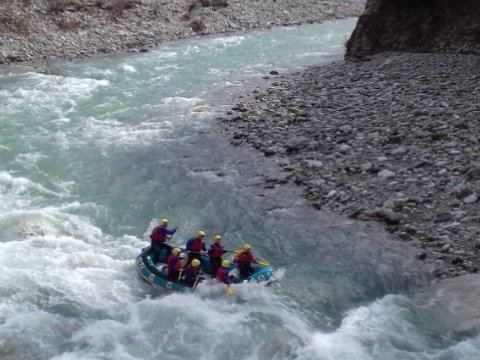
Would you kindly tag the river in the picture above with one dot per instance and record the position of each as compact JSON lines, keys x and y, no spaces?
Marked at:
{"x":95,"y":151}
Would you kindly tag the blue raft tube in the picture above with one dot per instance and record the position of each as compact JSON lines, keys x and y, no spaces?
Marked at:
{"x":157,"y":274}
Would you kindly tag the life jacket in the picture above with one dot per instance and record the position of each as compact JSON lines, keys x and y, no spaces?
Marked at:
{"x":174,"y":263}
{"x":244,"y":259}
{"x":158,"y":234}
{"x":222,"y":275}
{"x":191,"y":273}
{"x":195,"y":244}
{"x":215,"y":251}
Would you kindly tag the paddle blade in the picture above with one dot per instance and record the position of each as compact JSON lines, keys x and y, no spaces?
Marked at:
{"x":229,"y":290}
{"x":263,"y":262}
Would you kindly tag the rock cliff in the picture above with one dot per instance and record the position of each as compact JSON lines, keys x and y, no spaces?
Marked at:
{"x":416,"y":26}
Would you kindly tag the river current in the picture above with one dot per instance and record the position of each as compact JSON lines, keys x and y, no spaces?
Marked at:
{"x":93,"y":152}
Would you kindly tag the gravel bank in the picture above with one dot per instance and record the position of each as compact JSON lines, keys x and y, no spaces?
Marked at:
{"x":393,"y":139}
{"x":34,"y":29}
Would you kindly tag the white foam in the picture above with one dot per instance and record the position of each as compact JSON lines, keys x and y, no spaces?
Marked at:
{"x":161,"y":327}
{"x":15,"y":187}
{"x":180,"y":101}
{"x":49,"y":93}
{"x":128,"y":68}
{"x":162,"y":54}
{"x":81,"y":264}
{"x":68,"y":87}
{"x":228,"y":41}
{"x":110,"y":132}
{"x":29,"y":160}
{"x":169,"y":67}
{"x":367,"y":332}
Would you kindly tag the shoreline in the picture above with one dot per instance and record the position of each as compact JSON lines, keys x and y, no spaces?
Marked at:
{"x":392,"y":139}
{"x":79,"y":29}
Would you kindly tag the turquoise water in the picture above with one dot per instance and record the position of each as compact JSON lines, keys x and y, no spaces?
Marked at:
{"x":93,"y":156}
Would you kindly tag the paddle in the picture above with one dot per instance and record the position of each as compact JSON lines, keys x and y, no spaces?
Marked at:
{"x":168,"y":238}
{"x":229,"y":288}
{"x":233,"y":251}
{"x":262,"y":263}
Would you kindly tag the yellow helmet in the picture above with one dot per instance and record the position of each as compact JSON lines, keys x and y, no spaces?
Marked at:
{"x":225,"y":263}
{"x":246,"y":247}
{"x":200,"y":233}
{"x":163,"y":222}
{"x":217,"y":238}
{"x":195,"y":262}
{"x":176,"y":251}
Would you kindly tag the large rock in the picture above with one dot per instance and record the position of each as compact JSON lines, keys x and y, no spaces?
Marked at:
{"x":416,"y":26}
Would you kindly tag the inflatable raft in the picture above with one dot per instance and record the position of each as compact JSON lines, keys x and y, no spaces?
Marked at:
{"x":157,"y":274}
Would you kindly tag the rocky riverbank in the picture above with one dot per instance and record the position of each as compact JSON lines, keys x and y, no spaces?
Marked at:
{"x":393,"y":139}
{"x":36,"y":29}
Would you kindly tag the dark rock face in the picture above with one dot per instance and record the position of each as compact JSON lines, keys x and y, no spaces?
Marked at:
{"x":416,"y":26}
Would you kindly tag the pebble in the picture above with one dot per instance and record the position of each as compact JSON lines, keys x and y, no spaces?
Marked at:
{"x":471,"y":199}
{"x":430,"y":198}
{"x":385,"y":173}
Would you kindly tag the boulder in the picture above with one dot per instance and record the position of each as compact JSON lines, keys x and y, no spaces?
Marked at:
{"x":416,"y":26}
